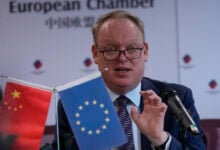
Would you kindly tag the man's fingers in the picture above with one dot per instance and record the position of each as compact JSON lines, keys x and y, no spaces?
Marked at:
{"x":150,"y":97}
{"x":134,"y":114}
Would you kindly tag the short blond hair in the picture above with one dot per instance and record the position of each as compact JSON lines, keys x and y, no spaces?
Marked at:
{"x":117,"y":14}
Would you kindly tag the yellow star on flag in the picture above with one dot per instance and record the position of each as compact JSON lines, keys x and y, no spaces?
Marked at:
{"x":16,"y":94}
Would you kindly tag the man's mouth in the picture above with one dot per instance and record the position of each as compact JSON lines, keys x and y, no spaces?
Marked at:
{"x":122,"y":69}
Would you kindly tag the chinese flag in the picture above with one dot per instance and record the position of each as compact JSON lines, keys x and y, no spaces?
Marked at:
{"x":23,"y":114}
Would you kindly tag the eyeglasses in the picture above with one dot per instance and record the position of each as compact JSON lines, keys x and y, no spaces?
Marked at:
{"x":131,"y":53}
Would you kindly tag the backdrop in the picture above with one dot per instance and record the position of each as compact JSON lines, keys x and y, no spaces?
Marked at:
{"x":48,"y":42}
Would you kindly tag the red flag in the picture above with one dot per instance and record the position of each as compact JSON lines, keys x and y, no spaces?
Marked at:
{"x":23,"y":113}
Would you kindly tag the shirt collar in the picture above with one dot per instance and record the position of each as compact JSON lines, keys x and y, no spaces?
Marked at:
{"x":133,"y":95}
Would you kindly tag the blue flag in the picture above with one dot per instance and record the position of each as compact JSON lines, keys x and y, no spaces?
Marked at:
{"x":91,"y":114}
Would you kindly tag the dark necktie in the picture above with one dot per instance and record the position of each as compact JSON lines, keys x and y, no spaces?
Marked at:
{"x":125,"y":119}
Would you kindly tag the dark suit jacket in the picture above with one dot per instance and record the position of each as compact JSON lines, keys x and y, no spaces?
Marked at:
{"x":191,"y":142}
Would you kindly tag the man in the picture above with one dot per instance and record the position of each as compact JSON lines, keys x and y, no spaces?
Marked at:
{"x":120,"y":51}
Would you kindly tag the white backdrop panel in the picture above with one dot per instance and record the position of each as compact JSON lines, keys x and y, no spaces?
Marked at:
{"x":200,"y":39}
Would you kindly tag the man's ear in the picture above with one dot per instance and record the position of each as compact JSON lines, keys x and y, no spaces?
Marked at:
{"x":145,"y":52}
{"x":94,"y":53}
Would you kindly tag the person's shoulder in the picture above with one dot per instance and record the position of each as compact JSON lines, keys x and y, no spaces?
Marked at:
{"x":185,"y":93}
{"x":161,"y":85}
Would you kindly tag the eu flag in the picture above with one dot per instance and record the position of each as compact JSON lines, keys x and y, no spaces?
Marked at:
{"x":91,"y":114}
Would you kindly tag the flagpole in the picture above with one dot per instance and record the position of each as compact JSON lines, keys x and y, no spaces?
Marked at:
{"x":57,"y":117}
{"x":26,"y":82}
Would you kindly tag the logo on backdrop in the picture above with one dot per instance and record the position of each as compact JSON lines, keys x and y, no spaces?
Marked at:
{"x":87,"y":62}
{"x":213,"y":87}
{"x":187,"y":62}
{"x":88,"y":65}
{"x":213,"y":84}
{"x":37,"y":67}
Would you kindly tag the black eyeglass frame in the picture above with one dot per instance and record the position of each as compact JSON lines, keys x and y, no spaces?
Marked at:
{"x":120,"y":52}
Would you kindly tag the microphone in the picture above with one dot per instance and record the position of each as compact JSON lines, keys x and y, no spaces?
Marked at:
{"x":171,"y":98}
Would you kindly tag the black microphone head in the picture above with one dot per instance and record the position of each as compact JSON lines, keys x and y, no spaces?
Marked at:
{"x":169,"y":96}
{"x":166,"y":93}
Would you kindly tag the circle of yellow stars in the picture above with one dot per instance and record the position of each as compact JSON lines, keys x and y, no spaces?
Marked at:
{"x":87,"y":130}
{"x":15,"y":96}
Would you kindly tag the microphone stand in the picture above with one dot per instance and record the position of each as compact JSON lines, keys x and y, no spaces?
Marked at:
{"x":182,"y":134}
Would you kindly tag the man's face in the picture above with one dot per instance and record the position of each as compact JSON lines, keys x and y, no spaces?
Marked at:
{"x":123,"y":74}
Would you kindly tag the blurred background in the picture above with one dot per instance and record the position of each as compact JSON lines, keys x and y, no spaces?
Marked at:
{"x":48,"y":42}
